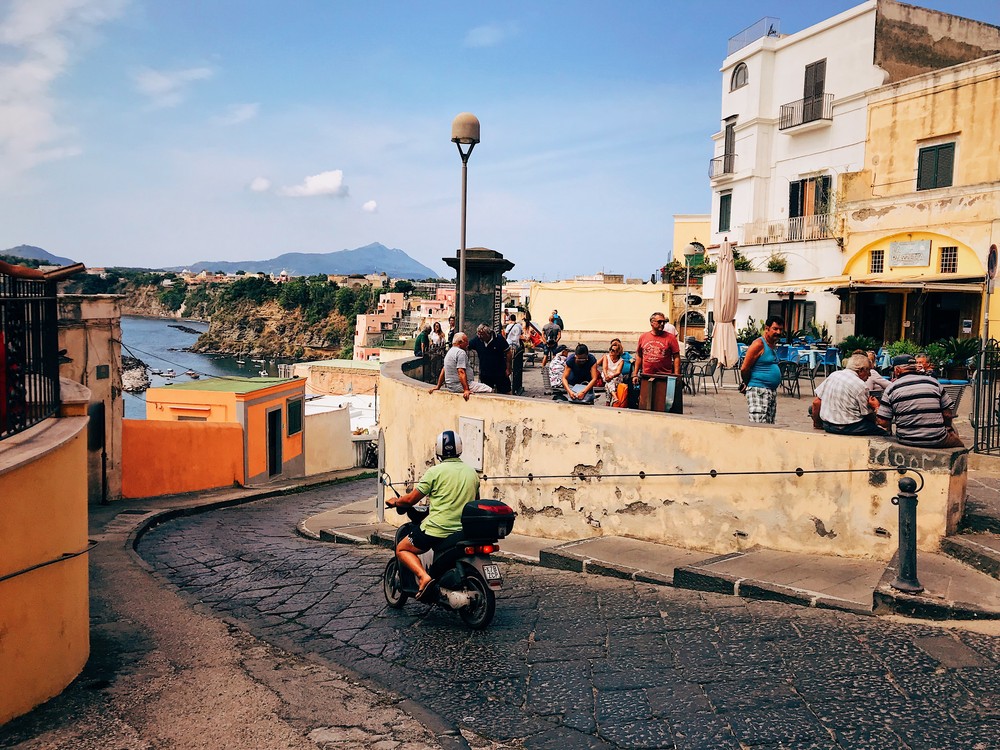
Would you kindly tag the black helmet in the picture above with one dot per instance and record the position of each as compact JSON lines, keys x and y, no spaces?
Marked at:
{"x":449,"y":445}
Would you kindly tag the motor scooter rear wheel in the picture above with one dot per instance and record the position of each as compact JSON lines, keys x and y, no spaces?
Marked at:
{"x":392,"y":585}
{"x":479,"y":613}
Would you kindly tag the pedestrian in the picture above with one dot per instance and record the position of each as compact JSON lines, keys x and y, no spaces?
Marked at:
{"x":843,"y":404}
{"x":454,"y":375}
{"x":515,"y":335}
{"x":451,"y":330}
{"x":919,"y":406}
{"x":552,"y":334}
{"x":553,"y":372}
{"x":658,"y":353}
{"x":611,"y":370}
{"x":437,"y":335}
{"x":760,"y":374}
{"x":422,"y":342}
{"x":495,"y":357}
{"x":558,"y":320}
{"x":580,"y":375}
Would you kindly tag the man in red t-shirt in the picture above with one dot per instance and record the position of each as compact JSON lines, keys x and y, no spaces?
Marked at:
{"x":659,"y":353}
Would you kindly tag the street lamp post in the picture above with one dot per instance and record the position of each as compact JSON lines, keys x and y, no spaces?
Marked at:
{"x":689,"y":252}
{"x":464,"y":132}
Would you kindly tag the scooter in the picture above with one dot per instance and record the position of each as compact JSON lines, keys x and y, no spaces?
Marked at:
{"x":465,"y":575}
{"x":695,"y":349}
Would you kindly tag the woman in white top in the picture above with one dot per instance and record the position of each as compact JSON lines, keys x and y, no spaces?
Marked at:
{"x":437,"y":335}
{"x":611,"y":370}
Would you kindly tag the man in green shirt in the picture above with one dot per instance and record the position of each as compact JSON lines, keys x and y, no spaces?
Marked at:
{"x":448,"y":486}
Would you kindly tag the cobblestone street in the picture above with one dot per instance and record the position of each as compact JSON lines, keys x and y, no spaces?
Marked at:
{"x":577,"y":662}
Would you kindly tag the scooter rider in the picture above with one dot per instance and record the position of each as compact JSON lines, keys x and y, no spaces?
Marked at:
{"x":448,"y":486}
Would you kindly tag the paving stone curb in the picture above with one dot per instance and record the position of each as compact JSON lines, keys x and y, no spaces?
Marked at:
{"x":968,"y":551}
{"x":888,"y":599}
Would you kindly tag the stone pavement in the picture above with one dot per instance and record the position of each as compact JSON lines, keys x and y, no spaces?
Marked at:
{"x":583,"y":661}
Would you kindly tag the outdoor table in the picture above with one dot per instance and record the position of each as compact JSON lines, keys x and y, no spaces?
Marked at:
{"x":653,"y":393}
{"x":813,"y":356}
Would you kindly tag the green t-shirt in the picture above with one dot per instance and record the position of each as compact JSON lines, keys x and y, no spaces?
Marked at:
{"x":448,"y":487}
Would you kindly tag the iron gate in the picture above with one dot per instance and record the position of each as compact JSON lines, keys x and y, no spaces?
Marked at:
{"x":985,"y":417}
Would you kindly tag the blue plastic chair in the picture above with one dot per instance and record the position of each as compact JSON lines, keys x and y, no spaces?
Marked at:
{"x":782,"y":352}
{"x":831,"y":359}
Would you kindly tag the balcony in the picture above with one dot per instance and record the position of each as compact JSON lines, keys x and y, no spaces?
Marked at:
{"x":721,"y":165}
{"x":797,"y":229}
{"x":815,"y":109}
{"x":29,"y":353}
{"x":766,"y":26}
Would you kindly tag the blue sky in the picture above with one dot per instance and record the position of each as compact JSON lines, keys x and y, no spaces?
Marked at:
{"x":144,"y":133}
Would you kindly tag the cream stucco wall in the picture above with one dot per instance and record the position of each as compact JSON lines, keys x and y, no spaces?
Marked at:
{"x":830,"y":514}
{"x":598,"y":312}
{"x":329,"y":446}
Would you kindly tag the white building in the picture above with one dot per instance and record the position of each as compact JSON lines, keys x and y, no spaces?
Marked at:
{"x":793,"y":121}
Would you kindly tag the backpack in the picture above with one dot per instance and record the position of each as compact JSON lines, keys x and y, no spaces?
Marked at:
{"x":552,"y":337}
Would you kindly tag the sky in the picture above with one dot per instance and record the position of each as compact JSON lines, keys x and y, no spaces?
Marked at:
{"x":159,"y":133}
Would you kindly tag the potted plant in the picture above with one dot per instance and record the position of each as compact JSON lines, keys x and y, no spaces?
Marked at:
{"x":854,"y":342}
{"x":903,"y":346}
{"x":936,"y":354}
{"x":957,"y":354}
{"x":776,"y":263}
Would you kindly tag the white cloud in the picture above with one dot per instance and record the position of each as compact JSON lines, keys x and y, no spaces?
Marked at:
{"x":324,"y":183}
{"x":37,"y":45}
{"x":168,"y":88}
{"x":260,"y":184}
{"x":490,"y":35}
{"x":369,"y":206}
{"x":238,"y":113}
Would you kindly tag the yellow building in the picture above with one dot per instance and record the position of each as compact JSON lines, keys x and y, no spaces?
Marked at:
{"x":921,"y":216}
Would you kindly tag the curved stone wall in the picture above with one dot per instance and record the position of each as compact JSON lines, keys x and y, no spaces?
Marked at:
{"x":848,"y":514}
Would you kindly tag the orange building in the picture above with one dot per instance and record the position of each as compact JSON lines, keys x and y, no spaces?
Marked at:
{"x":269,"y":410}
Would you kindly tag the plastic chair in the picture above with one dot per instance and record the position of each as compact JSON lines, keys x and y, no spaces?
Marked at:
{"x":790,"y":377}
{"x":782,"y":350}
{"x":831,"y":359}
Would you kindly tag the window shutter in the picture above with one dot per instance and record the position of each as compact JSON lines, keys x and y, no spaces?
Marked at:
{"x":925,"y":168}
{"x":945,"y":164}
{"x":794,"y":199}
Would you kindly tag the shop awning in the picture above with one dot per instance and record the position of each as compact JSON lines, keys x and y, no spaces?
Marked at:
{"x":928,"y":282}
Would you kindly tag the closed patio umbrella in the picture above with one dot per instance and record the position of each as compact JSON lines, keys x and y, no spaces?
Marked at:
{"x":724,"y":306}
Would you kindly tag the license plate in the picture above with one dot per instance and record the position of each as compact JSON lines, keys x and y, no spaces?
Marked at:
{"x":491,"y":572}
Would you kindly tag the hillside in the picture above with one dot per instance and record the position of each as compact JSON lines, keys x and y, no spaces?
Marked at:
{"x":374,"y":258}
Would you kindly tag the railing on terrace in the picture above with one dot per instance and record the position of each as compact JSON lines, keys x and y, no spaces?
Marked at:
{"x":29,"y":353}
{"x":797,"y":229}
{"x":766,"y":26}
{"x":803,"y":111}
{"x":720,"y":165}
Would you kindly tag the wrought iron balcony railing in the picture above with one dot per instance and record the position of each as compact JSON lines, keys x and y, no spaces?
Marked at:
{"x":720,"y":165}
{"x":29,"y":353}
{"x":797,"y":229}
{"x":813,"y":109}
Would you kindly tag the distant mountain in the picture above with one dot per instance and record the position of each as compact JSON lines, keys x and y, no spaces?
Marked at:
{"x":374,"y":258}
{"x":36,"y":253}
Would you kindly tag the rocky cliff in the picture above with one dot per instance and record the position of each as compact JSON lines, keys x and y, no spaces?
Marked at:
{"x":269,"y":330}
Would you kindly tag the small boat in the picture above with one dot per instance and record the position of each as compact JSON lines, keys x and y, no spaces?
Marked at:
{"x":155,"y":371}
{"x":169,"y":374}
{"x":241,"y":361}
{"x":264,"y":374}
{"x":195,"y":376}
{"x":190,"y":373}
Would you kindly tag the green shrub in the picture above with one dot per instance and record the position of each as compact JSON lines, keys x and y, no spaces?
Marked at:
{"x":903,"y":346}
{"x":852,"y":342}
{"x":777,"y":263}
{"x":750,"y":332}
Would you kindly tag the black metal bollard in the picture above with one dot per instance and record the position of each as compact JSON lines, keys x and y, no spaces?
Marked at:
{"x":906,"y":580}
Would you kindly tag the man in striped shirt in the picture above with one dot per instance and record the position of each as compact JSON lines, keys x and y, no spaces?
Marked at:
{"x":918,"y":405}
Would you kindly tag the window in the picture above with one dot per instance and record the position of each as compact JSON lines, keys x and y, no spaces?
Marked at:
{"x":935,"y":165}
{"x":295,"y":416}
{"x":949,"y":260}
{"x":813,"y":89}
{"x":798,"y":314}
{"x":807,"y":200}
{"x":740,"y":77}
{"x":876,"y":262}
{"x":725,"y":211}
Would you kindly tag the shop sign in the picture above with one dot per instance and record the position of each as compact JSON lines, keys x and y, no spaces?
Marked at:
{"x":914,"y":253}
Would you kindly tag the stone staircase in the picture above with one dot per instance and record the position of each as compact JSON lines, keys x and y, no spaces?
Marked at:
{"x":978,"y":542}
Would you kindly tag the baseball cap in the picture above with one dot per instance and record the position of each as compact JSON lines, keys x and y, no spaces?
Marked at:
{"x":903,"y":360}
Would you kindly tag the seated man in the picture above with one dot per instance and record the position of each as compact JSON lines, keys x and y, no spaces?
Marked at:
{"x":580,"y":375}
{"x":453,"y":376}
{"x":448,"y":486}
{"x":843,"y":405}
{"x":919,"y":406}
